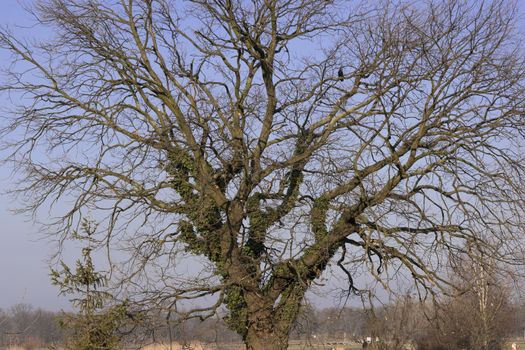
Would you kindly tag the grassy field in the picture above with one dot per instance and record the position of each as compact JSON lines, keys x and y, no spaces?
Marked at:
{"x":336,"y":347}
{"x":296,"y":346}
{"x":520,"y":346}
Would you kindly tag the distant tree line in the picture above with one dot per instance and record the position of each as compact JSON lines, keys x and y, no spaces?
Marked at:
{"x":454,"y":324}
{"x":22,"y":324}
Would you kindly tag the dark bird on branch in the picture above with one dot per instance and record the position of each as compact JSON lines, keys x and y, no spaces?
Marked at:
{"x":341,"y":74}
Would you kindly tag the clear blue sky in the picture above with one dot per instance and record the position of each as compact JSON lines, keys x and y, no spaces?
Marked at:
{"x":24,"y":273}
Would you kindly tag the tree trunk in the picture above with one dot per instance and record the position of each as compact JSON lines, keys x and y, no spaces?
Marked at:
{"x":266,"y":339}
{"x":267,"y":329}
{"x":270,"y":318}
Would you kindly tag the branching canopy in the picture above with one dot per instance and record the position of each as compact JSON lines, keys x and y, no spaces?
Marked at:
{"x":272,"y":138}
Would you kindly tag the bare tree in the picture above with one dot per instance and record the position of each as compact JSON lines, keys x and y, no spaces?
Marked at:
{"x":399,"y":324}
{"x":482,"y":316}
{"x":271,"y":138}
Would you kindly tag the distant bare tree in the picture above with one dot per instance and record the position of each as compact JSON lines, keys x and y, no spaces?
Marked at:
{"x":398,"y":324}
{"x":270,"y":139}
{"x":482,"y":316}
